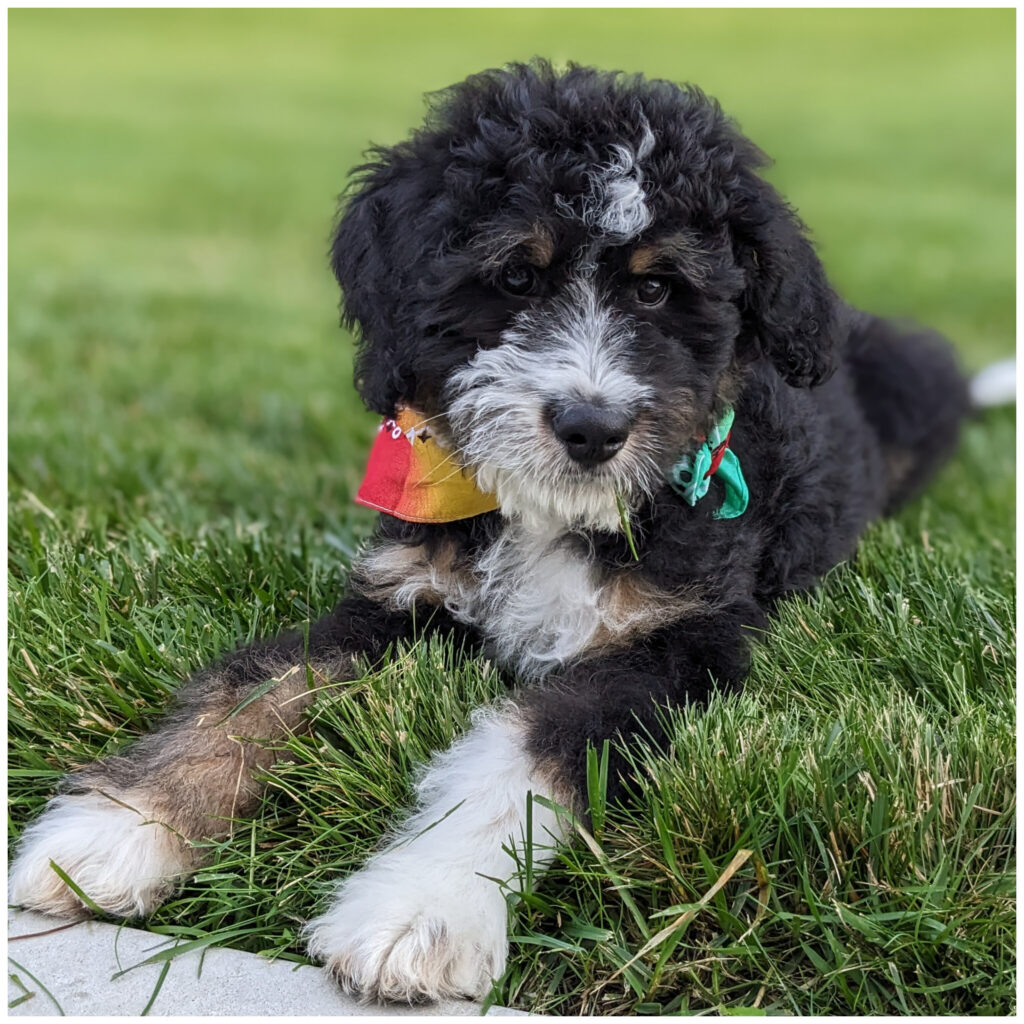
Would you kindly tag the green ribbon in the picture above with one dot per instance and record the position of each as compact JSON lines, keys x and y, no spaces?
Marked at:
{"x":689,"y":476}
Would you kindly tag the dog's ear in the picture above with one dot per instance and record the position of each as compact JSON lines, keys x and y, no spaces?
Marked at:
{"x":789,"y":310}
{"x":372,"y":262}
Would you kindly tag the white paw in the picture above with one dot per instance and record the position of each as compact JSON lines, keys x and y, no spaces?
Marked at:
{"x":395,"y":933}
{"x":124,"y":862}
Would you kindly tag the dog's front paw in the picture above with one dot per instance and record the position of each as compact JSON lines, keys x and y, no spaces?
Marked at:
{"x":124,"y":862}
{"x":397,"y":932}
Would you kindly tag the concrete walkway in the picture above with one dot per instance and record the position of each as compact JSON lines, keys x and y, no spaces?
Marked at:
{"x":72,"y":971}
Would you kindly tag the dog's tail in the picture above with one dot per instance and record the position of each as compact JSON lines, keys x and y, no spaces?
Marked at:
{"x":994,"y":385}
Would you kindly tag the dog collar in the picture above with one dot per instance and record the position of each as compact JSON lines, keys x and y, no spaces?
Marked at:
{"x":411,"y":476}
{"x":691,"y":476}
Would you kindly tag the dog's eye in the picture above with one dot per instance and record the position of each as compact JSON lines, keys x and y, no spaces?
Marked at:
{"x":651,"y":291}
{"x":518,"y":279}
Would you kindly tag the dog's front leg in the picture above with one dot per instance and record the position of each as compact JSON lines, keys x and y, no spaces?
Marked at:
{"x":426,"y":918}
{"x":126,"y":828}
{"x":625,"y":692}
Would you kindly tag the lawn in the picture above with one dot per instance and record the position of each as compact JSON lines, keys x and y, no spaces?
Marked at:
{"x":184,"y":442}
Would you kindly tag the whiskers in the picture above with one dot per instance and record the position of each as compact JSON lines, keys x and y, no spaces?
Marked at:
{"x":500,"y":410}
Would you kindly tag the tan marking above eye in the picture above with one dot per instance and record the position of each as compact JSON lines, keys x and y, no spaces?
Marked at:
{"x":533,"y":244}
{"x":645,"y":259}
{"x":539,"y":248}
{"x":681,"y":253}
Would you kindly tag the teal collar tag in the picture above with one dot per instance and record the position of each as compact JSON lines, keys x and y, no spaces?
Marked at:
{"x":691,"y":476}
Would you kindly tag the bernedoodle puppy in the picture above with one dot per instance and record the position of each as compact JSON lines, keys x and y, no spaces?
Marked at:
{"x":625,"y":414}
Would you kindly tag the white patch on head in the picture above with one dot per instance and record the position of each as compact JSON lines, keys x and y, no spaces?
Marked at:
{"x":574,"y":351}
{"x":426,"y":918}
{"x":617,"y":205}
{"x":121,"y":859}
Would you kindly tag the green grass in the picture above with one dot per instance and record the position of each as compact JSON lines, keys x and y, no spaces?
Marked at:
{"x":184,"y":442}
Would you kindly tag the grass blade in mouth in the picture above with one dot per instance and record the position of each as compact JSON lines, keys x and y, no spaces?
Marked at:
{"x":626,"y":528}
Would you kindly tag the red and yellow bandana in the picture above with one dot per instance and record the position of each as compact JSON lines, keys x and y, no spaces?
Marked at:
{"x":411,"y":476}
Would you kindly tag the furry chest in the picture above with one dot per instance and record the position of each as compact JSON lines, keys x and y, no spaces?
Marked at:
{"x":537,"y":599}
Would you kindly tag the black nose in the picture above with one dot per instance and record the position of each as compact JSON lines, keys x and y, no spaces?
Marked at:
{"x":590,"y":433}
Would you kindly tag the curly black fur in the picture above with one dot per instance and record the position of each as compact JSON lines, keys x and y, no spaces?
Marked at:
{"x":550,"y":242}
{"x":840,"y":416}
{"x":497,"y":150}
